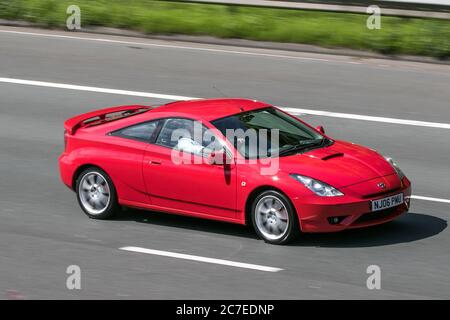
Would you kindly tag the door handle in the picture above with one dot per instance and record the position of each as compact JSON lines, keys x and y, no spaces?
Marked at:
{"x":154,"y":162}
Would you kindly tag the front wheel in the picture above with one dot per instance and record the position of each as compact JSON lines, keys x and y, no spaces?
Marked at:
{"x":96,"y":194}
{"x":274,"y":218}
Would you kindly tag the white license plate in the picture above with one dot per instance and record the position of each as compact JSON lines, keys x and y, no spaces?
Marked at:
{"x":388,"y":202}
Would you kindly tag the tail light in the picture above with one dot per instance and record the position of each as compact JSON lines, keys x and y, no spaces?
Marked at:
{"x":65,"y":139}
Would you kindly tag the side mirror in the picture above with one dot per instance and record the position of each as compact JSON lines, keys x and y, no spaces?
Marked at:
{"x":218,"y":157}
{"x":320,"y":129}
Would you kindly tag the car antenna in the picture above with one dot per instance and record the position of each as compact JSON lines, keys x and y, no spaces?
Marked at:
{"x":220,"y":92}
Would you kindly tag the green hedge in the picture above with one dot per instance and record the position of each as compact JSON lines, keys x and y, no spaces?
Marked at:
{"x":416,"y":36}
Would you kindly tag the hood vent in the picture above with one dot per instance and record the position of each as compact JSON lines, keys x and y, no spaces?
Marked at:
{"x":331,"y":156}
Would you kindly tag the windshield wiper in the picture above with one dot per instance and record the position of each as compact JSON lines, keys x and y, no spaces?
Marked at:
{"x":303,"y":145}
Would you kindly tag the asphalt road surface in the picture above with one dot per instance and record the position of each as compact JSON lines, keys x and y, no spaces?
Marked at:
{"x":43,"y":231}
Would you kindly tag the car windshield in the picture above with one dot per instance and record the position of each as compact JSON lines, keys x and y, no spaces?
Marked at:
{"x":268,"y":132}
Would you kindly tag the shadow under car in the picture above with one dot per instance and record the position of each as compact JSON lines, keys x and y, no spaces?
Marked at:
{"x":409,"y":227}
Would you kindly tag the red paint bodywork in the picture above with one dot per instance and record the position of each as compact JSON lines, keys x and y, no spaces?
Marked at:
{"x":216,"y":192}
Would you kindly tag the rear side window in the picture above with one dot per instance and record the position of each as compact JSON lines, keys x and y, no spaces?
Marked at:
{"x":142,"y":131}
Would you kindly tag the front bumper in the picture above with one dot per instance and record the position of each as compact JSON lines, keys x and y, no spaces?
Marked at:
{"x":352,"y":210}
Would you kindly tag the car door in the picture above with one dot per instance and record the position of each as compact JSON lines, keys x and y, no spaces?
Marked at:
{"x":192,"y":186}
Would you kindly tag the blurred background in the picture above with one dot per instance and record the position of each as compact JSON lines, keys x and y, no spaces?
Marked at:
{"x":409,"y":27}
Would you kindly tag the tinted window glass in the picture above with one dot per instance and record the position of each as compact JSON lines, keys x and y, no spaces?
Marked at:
{"x":142,"y":131}
{"x":247,"y":128}
{"x":188,"y":136}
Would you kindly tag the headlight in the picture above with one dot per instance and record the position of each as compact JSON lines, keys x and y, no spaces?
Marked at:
{"x":395,"y":166}
{"x":318,"y":187}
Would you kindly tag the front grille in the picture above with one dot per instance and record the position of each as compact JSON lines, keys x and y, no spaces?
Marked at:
{"x":377,"y":215}
{"x":379,"y":194}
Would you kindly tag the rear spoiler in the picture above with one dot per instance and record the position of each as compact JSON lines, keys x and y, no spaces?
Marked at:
{"x":100,"y":116}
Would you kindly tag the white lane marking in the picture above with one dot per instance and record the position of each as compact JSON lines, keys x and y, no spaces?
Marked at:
{"x":175,"y":97}
{"x":94,"y":89}
{"x":201,"y":259}
{"x":369,"y":118}
{"x":168,"y":46}
{"x":430,"y":199}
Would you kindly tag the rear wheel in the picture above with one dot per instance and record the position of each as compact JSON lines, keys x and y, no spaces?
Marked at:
{"x":274,"y":218}
{"x":96,"y":194}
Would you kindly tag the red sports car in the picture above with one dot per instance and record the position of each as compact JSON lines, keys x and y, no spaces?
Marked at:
{"x":234,"y":160}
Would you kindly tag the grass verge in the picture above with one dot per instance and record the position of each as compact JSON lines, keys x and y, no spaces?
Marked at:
{"x":414,"y":36}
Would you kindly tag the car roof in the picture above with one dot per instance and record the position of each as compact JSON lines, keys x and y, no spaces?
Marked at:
{"x":211,"y":109}
{"x":202,"y":109}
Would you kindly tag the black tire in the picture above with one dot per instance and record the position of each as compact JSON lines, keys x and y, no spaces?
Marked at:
{"x":292,"y":229}
{"x":110,"y":207}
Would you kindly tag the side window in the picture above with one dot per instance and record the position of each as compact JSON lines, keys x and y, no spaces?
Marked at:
{"x":172,"y":129}
{"x":142,"y":131}
{"x":188,"y":136}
